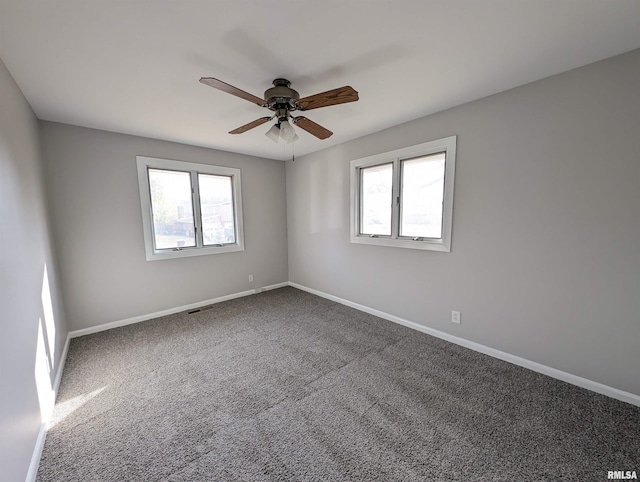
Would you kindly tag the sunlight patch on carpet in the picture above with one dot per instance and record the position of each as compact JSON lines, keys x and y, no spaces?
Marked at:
{"x":66,"y":408}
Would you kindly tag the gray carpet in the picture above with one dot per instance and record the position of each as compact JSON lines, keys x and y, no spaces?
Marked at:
{"x":285,"y":385}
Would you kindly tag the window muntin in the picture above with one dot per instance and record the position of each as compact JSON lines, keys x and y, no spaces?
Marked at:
{"x":417,"y":213}
{"x":189,"y":209}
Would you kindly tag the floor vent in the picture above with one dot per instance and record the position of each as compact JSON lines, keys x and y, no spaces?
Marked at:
{"x":197,"y":310}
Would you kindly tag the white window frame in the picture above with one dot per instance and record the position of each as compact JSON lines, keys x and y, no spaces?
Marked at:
{"x":152,"y":254}
{"x":447,"y":146}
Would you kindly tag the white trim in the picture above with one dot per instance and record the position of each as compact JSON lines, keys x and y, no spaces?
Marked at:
{"x":42,"y":433}
{"x":63,"y":359}
{"x":170,"y":311}
{"x":37,"y":454}
{"x":621,"y":395}
{"x":447,"y":145}
{"x":152,"y":254}
{"x":274,"y":286}
{"x":516,"y":360}
{"x":39,"y":445}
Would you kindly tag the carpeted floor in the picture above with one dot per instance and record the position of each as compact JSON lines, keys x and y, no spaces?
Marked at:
{"x":285,"y":385}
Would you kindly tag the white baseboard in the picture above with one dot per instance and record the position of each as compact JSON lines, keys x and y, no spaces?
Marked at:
{"x":508,"y":357}
{"x":63,"y":359}
{"x":42,"y":433}
{"x":37,"y":453}
{"x":171,"y":311}
{"x":39,"y":446}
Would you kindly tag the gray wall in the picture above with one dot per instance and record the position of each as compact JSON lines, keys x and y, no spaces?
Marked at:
{"x":92,"y":187}
{"x":545,"y":260}
{"x":26,"y":306}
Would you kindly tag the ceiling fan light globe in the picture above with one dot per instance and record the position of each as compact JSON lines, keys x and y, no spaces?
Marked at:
{"x":273,"y":133}
{"x":287,"y":133}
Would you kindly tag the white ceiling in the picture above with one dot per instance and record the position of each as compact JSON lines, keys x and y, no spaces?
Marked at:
{"x":133,"y":66}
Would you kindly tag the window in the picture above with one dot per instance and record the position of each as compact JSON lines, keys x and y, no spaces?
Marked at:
{"x":189,"y":209}
{"x":404,"y":198}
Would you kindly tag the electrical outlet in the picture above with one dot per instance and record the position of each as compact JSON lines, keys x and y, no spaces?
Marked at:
{"x":250,"y":278}
{"x":455,"y":317}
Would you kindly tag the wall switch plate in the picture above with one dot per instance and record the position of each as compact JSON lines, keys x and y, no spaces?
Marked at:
{"x":250,"y":278}
{"x":455,"y":317}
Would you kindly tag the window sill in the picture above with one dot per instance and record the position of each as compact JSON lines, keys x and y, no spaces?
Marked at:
{"x":427,"y":244}
{"x":189,"y":252}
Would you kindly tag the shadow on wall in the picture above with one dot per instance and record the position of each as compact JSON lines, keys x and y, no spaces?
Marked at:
{"x":327,"y":207}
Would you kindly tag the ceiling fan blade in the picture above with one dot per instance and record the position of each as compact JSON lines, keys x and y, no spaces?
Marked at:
{"x":230,"y":89}
{"x":250,"y":125}
{"x":313,"y":128}
{"x":340,"y":95}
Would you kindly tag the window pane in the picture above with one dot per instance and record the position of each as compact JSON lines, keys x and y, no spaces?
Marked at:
{"x":375,"y":201}
{"x":216,"y":203}
{"x":422,"y":196}
{"x":172,"y":209}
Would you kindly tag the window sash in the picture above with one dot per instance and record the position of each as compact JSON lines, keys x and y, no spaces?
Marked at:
{"x":202,"y":229}
{"x":155,"y":208}
{"x":234,"y":240}
{"x":402,"y":203}
{"x":363,"y":205}
{"x":396,"y":199}
{"x":398,"y":236}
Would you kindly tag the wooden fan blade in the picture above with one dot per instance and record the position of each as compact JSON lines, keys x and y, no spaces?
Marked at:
{"x":230,"y":89}
{"x":313,"y":128}
{"x":250,"y":125}
{"x":340,"y":95}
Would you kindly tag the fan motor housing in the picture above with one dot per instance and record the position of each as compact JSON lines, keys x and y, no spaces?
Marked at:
{"x":281,"y":95}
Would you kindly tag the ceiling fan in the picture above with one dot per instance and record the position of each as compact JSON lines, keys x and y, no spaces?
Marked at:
{"x":282,"y":100}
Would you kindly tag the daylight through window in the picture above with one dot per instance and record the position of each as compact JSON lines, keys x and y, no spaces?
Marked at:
{"x":189,"y":209}
{"x":404,"y":198}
